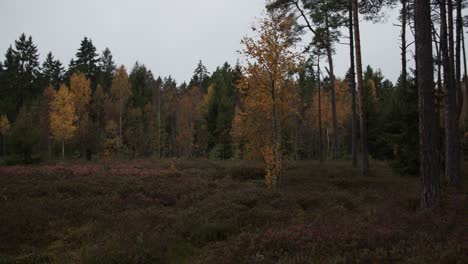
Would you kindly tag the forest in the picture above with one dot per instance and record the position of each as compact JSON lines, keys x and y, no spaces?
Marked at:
{"x":276,"y":159}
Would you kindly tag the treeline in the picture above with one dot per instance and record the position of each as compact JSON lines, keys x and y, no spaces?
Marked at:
{"x":96,"y":110}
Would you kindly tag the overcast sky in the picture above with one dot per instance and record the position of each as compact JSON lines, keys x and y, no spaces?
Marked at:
{"x":168,"y":36}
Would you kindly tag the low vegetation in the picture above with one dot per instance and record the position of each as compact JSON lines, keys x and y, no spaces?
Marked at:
{"x":173,"y":211}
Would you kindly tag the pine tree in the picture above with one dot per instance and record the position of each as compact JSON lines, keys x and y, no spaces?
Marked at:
{"x":52,"y":71}
{"x":200,"y":77}
{"x":107,"y":69}
{"x":86,"y":62}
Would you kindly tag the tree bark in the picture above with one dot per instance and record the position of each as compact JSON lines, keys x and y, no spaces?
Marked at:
{"x":362,"y":112}
{"x":458,"y":77}
{"x":404,"y":74}
{"x":319,"y":111}
{"x":452,"y":147}
{"x":332,"y":89}
{"x":465,"y":75}
{"x":429,"y":171}
{"x":4,"y":147}
{"x":352,"y":73}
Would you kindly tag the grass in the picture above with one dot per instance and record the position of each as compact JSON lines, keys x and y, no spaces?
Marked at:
{"x":173,"y":211}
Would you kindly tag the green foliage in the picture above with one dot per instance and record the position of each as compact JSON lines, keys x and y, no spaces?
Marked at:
{"x":52,"y":71}
{"x":24,"y":135}
{"x":86,"y":62}
{"x":219,"y":112}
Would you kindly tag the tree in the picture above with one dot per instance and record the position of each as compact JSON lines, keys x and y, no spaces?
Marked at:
{"x":98,"y":109}
{"x":24,"y":135}
{"x":429,"y":171}
{"x":362,"y":113}
{"x":80,"y":87}
{"x":63,"y":117}
{"x":268,"y":90}
{"x":52,"y":71}
{"x":44,"y":117}
{"x":22,"y":75}
{"x":140,"y":79}
{"x":217,"y":112}
{"x":108,"y":68}
{"x":186,"y":120}
{"x":351,"y":76}
{"x":200,"y":77}
{"x":4,"y":130}
{"x":119,"y":94}
{"x":86,"y":62}
{"x":8,"y":86}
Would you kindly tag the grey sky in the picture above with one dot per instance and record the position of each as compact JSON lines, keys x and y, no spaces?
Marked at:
{"x":168,"y":36}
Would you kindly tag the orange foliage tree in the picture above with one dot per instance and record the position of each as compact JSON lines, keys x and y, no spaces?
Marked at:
{"x":63,"y":116}
{"x":267,"y":92}
{"x":80,"y":87}
{"x":185,"y":120}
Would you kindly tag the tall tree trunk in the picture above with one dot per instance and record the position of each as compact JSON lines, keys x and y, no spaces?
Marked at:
{"x":120,"y":133}
{"x":465,"y":75}
{"x":452,"y":146}
{"x":4,"y":147}
{"x":319,"y":111}
{"x":429,"y":171}
{"x":332,"y":89}
{"x":49,"y":148}
{"x":362,"y":107}
{"x":63,"y":149}
{"x":404,"y":74}
{"x":458,"y":77}
{"x":352,"y":73}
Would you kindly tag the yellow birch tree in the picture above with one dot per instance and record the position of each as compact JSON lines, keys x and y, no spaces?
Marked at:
{"x":267,"y":90}
{"x":63,"y":116}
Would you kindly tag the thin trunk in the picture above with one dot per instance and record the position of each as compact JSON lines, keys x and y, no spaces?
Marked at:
{"x":452,"y":147}
{"x":332,"y":89}
{"x":354,"y":138}
{"x":4,"y":147}
{"x":429,"y":171}
{"x":458,"y":77}
{"x":404,"y":74}
{"x":362,"y":112}
{"x":465,"y":75}
{"x":49,"y":148}
{"x":120,"y":133}
{"x":63,"y":149}
{"x":319,"y":112}
{"x":275,"y":141}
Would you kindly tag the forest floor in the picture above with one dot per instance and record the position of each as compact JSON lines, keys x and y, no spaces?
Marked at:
{"x":172,"y":211}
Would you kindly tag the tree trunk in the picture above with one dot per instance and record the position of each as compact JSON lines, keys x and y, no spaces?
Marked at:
{"x":458,"y":77}
{"x":63,"y":149}
{"x":429,"y":171}
{"x":319,"y":111}
{"x":120,"y":133}
{"x":404,"y":74}
{"x":332,"y":89}
{"x":465,"y":75}
{"x":49,"y":148}
{"x":352,"y":73}
{"x":4,"y":147}
{"x":362,"y":108}
{"x":452,"y":148}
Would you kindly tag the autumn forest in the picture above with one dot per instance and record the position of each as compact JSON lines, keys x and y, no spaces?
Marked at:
{"x":274,"y":159}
